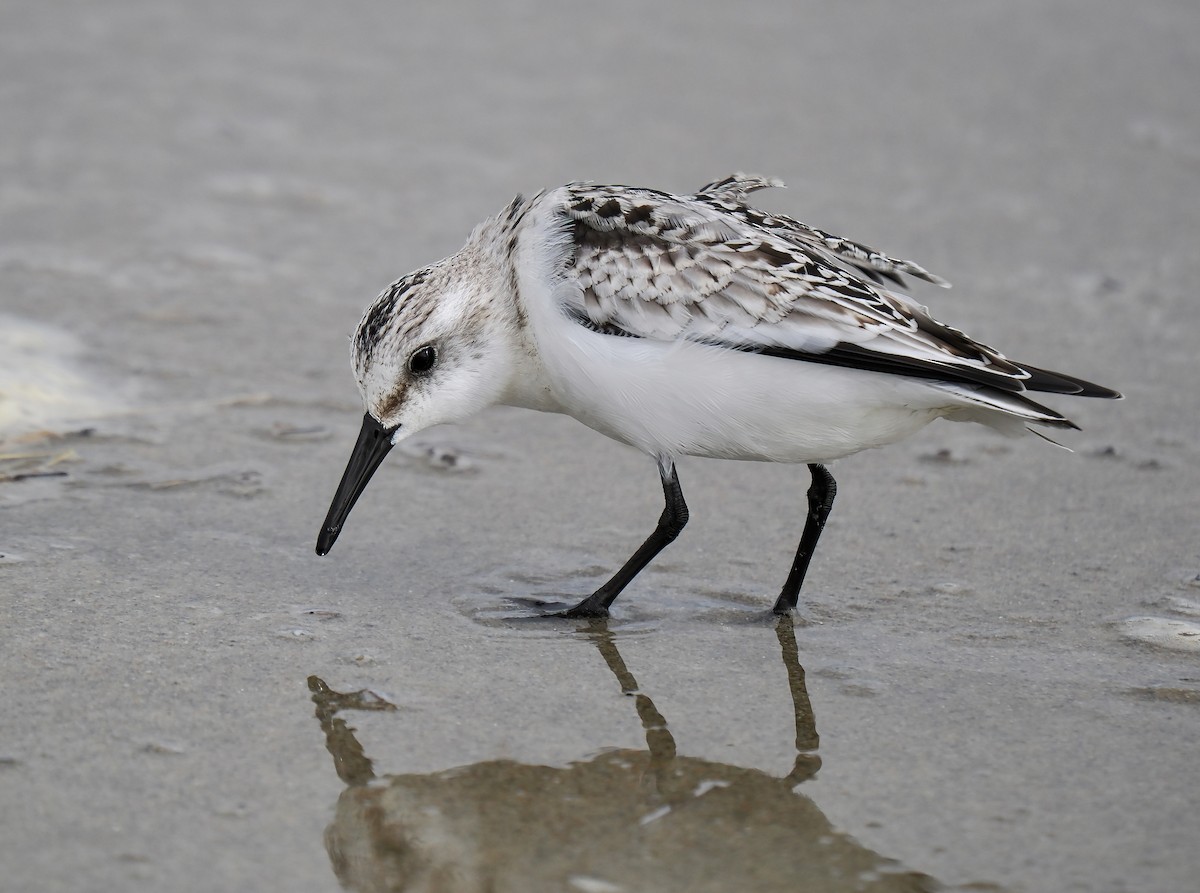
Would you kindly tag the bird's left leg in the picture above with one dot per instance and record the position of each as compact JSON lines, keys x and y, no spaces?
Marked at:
{"x":820,"y":501}
{"x":672,"y":520}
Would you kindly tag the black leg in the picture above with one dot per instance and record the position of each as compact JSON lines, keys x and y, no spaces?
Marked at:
{"x":672,"y":520}
{"x":820,"y":501}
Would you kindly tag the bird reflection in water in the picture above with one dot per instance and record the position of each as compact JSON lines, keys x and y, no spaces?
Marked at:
{"x":625,"y":820}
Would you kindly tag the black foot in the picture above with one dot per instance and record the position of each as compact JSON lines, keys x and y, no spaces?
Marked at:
{"x":543,"y":609}
{"x":787,"y":616}
{"x":592,"y":606}
{"x":540,"y":607}
{"x":783,"y":609}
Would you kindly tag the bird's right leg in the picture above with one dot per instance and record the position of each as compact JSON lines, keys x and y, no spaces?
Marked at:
{"x":672,"y":520}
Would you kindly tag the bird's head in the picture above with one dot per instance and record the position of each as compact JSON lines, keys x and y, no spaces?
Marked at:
{"x":435,"y":347}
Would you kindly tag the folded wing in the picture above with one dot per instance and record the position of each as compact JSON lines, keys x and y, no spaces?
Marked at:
{"x":710,"y":268}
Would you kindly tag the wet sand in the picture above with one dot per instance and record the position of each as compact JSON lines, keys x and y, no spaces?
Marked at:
{"x":995,"y":682}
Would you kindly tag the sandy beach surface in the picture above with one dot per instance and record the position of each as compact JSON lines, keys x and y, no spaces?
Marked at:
{"x":993,"y":682}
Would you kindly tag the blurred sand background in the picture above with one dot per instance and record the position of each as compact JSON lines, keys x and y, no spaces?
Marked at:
{"x":198,"y":200}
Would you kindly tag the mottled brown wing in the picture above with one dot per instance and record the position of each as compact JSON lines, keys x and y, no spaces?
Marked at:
{"x":666,"y":267}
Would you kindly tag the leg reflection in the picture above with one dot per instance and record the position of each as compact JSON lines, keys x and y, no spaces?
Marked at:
{"x":807,"y":762}
{"x":659,"y":739}
{"x":353,"y":766}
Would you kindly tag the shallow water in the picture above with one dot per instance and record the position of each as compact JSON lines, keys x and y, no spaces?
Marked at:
{"x":994,"y":683}
{"x":628,"y":818}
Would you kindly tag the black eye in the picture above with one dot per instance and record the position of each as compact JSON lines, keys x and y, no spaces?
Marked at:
{"x":422,"y":360}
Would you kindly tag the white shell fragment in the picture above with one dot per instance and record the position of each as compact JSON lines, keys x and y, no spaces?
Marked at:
{"x":1178,"y":635}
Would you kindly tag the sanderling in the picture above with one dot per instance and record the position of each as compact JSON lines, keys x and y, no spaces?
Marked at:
{"x":682,"y":325}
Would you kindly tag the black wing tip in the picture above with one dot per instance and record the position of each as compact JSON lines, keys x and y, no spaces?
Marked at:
{"x":1047,"y":382}
{"x":855,"y":356}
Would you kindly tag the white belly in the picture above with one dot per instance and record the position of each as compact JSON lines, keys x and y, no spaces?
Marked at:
{"x":684,"y":398}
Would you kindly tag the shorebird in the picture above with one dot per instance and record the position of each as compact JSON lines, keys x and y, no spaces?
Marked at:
{"x":681,"y":325}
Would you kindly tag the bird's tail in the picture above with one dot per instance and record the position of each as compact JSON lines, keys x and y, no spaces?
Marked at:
{"x":1007,"y":412}
{"x":1011,"y":412}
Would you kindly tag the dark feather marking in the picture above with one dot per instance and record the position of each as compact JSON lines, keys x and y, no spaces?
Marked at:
{"x":955,"y":342}
{"x":883,"y":277}
{"x":610,"y":208}
{"x":776,"y":256}
{"x":514,"y":240}
{"x":640,"y":214}
{"x":377,"y":317}
{"x":515,"y":206}
{"x":577,"y":315}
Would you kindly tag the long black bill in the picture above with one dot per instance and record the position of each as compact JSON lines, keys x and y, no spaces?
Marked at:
{"x":374,"y":442}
